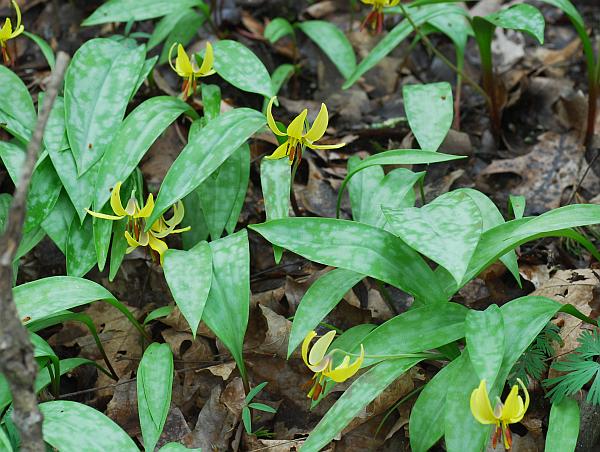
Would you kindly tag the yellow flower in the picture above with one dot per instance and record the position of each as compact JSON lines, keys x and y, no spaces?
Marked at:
{"x":7,"y":32}
{"x":298,"y":139}
{"x":189,"y":70}
{"x":135,"y":234}
{"x":375,"y":17}
{"x":322,"y":364}
{"x":510,"y":412}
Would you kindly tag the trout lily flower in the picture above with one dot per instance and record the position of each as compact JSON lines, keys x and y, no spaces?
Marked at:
{"x":510,"y":412}
{"x":375,"y":17}
{"x":136,"y":222}
{"x":321,"y":362}
{"x":7,"y":32}
{"x":297,"y":137}
{"x":189,"y":70}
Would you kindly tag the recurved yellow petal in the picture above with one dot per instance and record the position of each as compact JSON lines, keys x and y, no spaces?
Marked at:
{"x":296,"y":127}
{"x":318,"y":128}
{"x":115,"y":201}
{"x":280,"y":152}
{"x":207,"y":64}
{"x":183,"y":65}
{"x":514,"y":408}
{"x":6,"y":31}
{"x":325,"y":146}
{"x":305,"y":344}
{"x":271,"y":121}
{"x":104,"y":216}
{"x":147,"y":209}
{"x":317,"y":352}
{"x":345,"y":370}
{"x":159,"y":246}
{"x":18,"y":28}
{"x":481,"y":408}
{"x":178,"y":214}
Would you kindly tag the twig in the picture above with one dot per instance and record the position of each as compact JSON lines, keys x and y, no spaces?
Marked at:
{"x":16,"y":352}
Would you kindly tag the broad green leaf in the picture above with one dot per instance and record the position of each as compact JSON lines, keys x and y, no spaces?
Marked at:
{"x":456,"y":27}
{"x":194,"y":217}
{"x":211,"y":101}
{"x":203,"y":154}
{"x":59,"y":220}
{"x":227,"y":307}
{"x":395,"y":157}
{"x":187,"y":27}
{"x":242,"y":68}
{"x":275,"y":180}
{"x":44,"y":48}
{"x":158,"y":313}
{"x":118,"y":247}
{"x":416,"y":330}
{"x":154,"y":387}
{"x":165,"y":26}
{"x":484,"y":331}
{"x":102,"y":232}
{"x":398,"y":34}
{"x":521,"y":17}
{"x":176,"y":447}
{"x":371,"y":189}
{"x":132,"y":140}
{"x":429,"y":110}
{"x":47,"y":296}
{"x":68,"y":427}
{"x":128,"y":10}
{"x":144,"y":73}
{"x":279,"y":76}
{"x":319,"y":300}
{"x":98,"y":86}
{"x":189,"y":276}
{"x":357,"y":247}
{"x":5,"y":201}
{"x":333,"y":42}
{"x":362,"y":391}
{"x":13,"y":158}
{"x":563,"y":427}
{"x":17,"y":113}
{"x":277,"y":29}
{"x":220,"y":191}
{"x":5,"y":442}
{"x":81,"y":250}
{"x":43,"y":193}
{"x":447,"y":230}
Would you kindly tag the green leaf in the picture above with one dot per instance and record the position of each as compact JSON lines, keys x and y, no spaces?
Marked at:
{"x":158,"y":313}
{"x":43,"y":193}
{"x":187,"y":27}
{"x":446,"y":230}
{"x":16,"y":107}
{"x":118,"y":247}
{"x":165,"y":26}
{"x":131,"y":10}
{"x":416,"y":330}
{"x":395,"y":157}
{"x":5,"y":442}
{"x":189,"y":276}
{"x":522,"y":17}
{"x":484,"y":331}
{"x":194,"y":217}
{"x":81,"y":249}
{"x":255,"y":390}
{"x":154,"y":387}
{"x":357,"y":247}
{"x":59,"y":220}
{"x":277,"y":29}
{"x":242,"y":68}
{"x":262,"y":407}
{"x":68,"y":425}
{"x":211,"y":101}
{"x":132,"y":140}
{"x":219,"y":192}
{"x":398,"y":34}
{"x":144,"y":73}
{"x":429,"y":110}
{"x":516,"y":204}
{"x":333,"y":43}
{"x":204,"y":153}
{"x":275,"y":180}
{"x":44,"y":48}
{"x":456,"y":27}
{"x":563,"y":427}
{"x":319,"y":300}
{"x":362,"y":391}
{"x":176,"y":447}
{"x":247,"y":419}
{"x":228,"y":304}
{"x":97,"y":89}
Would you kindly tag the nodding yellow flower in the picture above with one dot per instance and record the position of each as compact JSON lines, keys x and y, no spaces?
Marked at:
{"x":322,"y":364}
{"x":375,"y":17}
{"x":135,"y":233}
{"x":298,"y":138}
{"x":7,"y":32}
{"x":510,"y":412}
{"x":189,"y":70}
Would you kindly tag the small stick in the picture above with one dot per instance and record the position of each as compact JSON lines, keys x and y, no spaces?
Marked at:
{"x":16,"y":352}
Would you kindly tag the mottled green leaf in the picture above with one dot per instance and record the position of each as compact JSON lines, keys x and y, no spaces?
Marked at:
{"x":242,"y":68}
{"x":127,"y":10}
{"x":333,"y":43}
{"x":429,"y":110}
{"x":277,"y":29}
{"x":81,"y":250}
{"x":275,"y":180}
{"x":97,"y":89}
{"x":204,"y":153}
{"x":357,"y":247}
{"x":211,"y":101}
{"x":73,"y":427}
{"x":154,"y":387}
{"x":189,"y":276}
{"x":447,"y":230}
{"x":485,"y":338}
{"x":59,"y":220}
{"x":132,"y":140}
{"x":16,"y":107}
{"x":43,"y":193}
{"x":521,"y":17}
{"x":563,"y":427}
{"x":319,"y":300}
